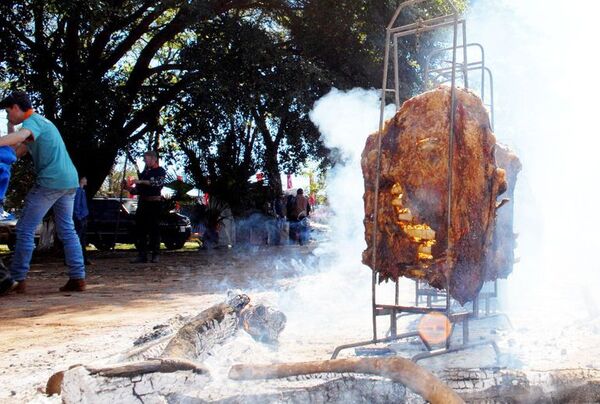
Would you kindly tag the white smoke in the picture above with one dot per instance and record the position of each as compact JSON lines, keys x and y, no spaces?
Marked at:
{"x":345,"y":120}
{"x":336,"y":300}
{"x":543,"y":54}
{"x":542,"y":58}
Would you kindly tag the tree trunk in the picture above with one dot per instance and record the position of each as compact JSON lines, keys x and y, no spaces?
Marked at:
{"x":273,"y":173}
{"x":96,"y":169}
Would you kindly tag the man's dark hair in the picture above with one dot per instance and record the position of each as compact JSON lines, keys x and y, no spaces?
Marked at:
{"x":19,"y":98}
{"x":300,"y":191}
{"x":151,"y":153}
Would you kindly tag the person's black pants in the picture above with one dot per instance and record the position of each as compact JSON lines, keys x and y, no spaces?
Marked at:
{"x":147,"y":221}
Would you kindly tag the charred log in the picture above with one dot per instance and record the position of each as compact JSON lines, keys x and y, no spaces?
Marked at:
{"x":191,"y":343}
{"x":400,"y":370}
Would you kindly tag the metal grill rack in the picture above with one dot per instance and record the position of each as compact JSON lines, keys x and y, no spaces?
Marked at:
{"x":446,"y":72}
{"x":442,"y":74}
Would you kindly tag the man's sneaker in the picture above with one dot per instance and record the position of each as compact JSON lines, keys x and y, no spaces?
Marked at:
{"x":141,"y":259}
{"x":6,"y":286}
{"x":155,"y":259}
{"x":74,"y":285}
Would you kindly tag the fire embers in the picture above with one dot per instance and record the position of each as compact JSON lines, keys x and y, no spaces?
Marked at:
{"x":413,"y":238}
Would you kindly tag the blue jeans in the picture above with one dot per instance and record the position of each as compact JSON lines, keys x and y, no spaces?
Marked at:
{"x":38,"y":202}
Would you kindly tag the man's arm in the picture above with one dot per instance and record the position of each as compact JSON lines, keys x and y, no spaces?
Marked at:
{"x":14,"y":138}
{"x":21,"y":150}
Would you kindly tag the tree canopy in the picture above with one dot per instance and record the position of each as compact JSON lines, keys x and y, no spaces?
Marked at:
{"x":224,"y":84}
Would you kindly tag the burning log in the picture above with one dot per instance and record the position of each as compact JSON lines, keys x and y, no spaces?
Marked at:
{"x":263,"y":323}
{"x":192,"y":342}
{"x":413,"y":238}
{"x":397,"y":369}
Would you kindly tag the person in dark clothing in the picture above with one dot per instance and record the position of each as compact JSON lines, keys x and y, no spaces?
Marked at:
{"x":149,"y":210}
{"x":80,"y":215}
{"x":298,"y":212}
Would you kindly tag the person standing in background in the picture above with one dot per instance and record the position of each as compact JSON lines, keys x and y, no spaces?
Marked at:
{"x":80,"y":215}
{"x":149,"y":210}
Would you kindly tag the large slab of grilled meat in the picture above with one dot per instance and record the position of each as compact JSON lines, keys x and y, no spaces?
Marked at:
{"x":412,"y":232}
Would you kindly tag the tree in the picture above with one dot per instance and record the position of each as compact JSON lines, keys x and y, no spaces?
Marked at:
{"x":102,"y":70}
{"x":249,"y":112}
{"x":112,"y":72}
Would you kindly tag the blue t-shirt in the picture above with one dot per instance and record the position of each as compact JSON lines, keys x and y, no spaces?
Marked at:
{"x":51,"y":160}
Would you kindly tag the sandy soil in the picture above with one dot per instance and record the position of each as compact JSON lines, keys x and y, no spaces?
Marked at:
{"x":44,"y":330}
{"x":326,"y":299}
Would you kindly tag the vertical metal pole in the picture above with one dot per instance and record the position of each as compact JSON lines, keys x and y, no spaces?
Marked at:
{"x":450,"y":246}
{"x":493,"y":114}
{"x":396,"y":75}
{"x":482,"y":75}
{"x":417,"y":293}
{"x":465,"y":60}
{"x":376,"y":194}
{"x":393,"y":323}
{"x":426,"y":73}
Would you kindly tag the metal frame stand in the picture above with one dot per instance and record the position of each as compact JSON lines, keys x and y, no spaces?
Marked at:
{"x":442,"y":74}
{"x":395,"y":311}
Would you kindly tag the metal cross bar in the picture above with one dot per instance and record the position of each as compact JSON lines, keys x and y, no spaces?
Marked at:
{"x":415,"y":31}
{"x":419,"y":24}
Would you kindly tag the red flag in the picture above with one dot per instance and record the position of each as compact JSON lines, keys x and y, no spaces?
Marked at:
{"x":289,"y":181}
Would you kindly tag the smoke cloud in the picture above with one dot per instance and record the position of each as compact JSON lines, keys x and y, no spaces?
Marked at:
{"x":541,"y":53}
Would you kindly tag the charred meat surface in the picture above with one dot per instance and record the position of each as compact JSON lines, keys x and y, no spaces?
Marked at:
{"x":413,"y":239}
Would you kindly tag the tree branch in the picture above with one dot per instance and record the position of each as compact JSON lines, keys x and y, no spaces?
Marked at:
{"x":164,"y":68}
{"x":139,"y":72}
{"x":134,"y":35}
{"x":152,"y":110}
{"x":103,"y":37}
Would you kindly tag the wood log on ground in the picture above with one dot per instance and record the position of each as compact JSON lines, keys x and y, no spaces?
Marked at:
{"x":192,"y":342}
{"x":413,"y":239}
{"x":165,"y":365}
{"x":397,"y":369}
{"x":515,"y":386}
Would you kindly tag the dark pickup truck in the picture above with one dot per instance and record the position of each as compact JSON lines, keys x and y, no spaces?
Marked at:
{"x":112,"y":220}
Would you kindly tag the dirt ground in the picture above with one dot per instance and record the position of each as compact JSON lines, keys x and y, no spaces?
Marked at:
{"x":325,"y":296}
{"x":45,"y":330}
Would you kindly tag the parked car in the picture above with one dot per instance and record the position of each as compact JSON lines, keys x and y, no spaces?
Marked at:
{"x":8,"y":235}
{"x":113,"y":221}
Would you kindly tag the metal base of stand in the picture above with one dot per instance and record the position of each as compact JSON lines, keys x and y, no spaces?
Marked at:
{"x":396,"y":312}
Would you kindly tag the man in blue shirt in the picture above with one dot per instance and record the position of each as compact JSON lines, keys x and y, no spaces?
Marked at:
{"x":80,"y":214}
{"x":55,"y":186}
